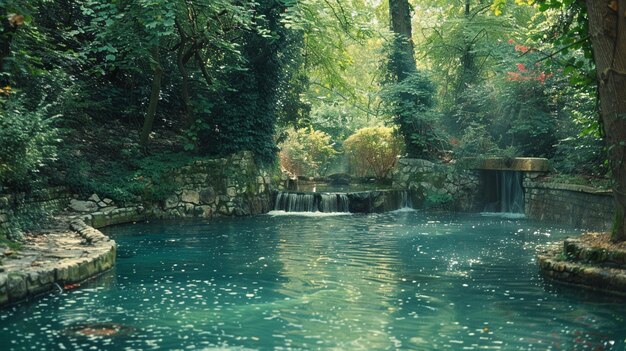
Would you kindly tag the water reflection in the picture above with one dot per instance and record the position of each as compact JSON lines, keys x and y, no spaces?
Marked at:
{"x":402,"y":280}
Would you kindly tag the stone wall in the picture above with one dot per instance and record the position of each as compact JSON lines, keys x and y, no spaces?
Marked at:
{"x":437,"y":185}
{"x":35,"y":204}
{"x":233,"y":186}
{"x":575,"y":205}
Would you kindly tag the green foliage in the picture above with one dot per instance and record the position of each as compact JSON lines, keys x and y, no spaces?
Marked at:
{"x":475,"y":142}
{"x":307,"y":152}
{"x":527,"y":121}
{"x":411,"y":102}
{"x":373,"y":150}
{"x":441,"y":201}
{"x":28,"y":139}
{"x":245,"y":112}
{"x":128,"y":181}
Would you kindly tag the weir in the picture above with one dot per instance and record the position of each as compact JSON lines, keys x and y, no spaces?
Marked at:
{"x":355,"y":202}
{"x":311,"y":202}
{"x":503,"y":191}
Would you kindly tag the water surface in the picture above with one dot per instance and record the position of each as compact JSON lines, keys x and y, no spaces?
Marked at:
{"x":395,"y":281}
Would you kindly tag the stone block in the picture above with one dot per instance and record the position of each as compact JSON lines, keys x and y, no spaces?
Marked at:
{"x":16,"y":286}
{"x":83,"y":206}
{"x":190,"y":196}
{"x":207,"y":195}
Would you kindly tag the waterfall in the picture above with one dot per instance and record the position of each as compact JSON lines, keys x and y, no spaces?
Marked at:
{"x":509,"y":193}
{"x":404,"y":200}
{"x":312,"y":202}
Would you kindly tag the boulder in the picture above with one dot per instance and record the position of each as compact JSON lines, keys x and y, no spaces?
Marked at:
{"x":190,"y":196}
{"x":83,"y":206}
{"x":207,"y":195}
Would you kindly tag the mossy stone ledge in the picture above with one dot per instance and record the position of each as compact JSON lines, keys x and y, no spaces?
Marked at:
{"x":586,"y":263}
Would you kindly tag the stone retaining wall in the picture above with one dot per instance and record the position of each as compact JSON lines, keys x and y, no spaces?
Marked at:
{"x":437,"y":185}
{"x":39,"y":202}
{"x":575,"y":205}
{"x":233,"y":186}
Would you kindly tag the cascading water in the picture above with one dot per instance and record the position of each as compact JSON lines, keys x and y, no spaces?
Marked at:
{"x":357,"y":202}
{"x":312,"y":202}
{"x":509,"y":193}
{"x":404,"y":200}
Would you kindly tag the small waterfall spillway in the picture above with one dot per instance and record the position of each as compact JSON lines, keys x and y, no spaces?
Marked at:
{"x":353,"y":202}
{"x":505,"y":193}
{"x":312,"y":202}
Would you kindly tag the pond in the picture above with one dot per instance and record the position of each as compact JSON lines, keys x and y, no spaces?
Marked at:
{"x":393,"y":281}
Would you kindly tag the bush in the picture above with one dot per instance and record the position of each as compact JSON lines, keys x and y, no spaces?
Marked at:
{"x":373,"y":150}
{"x":411,"y":102}
{"x":27,"y":140}
{"x":306,"y":152}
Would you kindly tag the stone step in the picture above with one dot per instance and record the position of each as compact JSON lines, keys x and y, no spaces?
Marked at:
{"x":575,"y":251}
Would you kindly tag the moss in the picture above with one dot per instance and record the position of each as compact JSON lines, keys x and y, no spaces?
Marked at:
{"x":13,"y":245}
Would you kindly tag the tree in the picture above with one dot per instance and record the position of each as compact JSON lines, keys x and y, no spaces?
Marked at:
{"x":408,"y":91}
{"x":600,"y":25}
{"x":607,"y":30}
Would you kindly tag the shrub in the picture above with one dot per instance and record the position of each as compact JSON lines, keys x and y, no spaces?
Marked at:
{"x":373,"y":150}
{"x":306,"y":152}
{"x":27,"y":141}
{"x":411,"y":102}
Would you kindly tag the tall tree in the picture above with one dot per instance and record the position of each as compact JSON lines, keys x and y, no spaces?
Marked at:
{"x":607,"y":30}
{"x":403,"y":64}
{"x":409,"y":92}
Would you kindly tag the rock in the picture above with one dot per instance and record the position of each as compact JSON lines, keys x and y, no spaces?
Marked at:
{"x":207,"y":195}
{"x":16,"y":286}
{"x":107,"y":209}
{"x":83,"y":206}
{"x":94,"y":197}
{"x":190,"y":196}
{"x":171,"y":202}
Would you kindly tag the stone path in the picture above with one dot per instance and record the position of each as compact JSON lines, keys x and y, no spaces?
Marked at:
{"x":64,"y":253}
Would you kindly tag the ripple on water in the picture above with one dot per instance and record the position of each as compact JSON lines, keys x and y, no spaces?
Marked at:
{"x":403,"y":280}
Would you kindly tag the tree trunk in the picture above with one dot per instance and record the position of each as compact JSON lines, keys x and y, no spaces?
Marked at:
{"x":154,"y":99}
{"x":184,"y":87}
{"x":607,"y":29}
{"x":400,"y":16}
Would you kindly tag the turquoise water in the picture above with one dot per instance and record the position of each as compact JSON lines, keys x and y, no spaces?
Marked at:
{"x":394,"y":281}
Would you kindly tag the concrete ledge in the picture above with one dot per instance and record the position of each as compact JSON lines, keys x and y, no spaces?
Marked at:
{"x":568,"y":187}
{"x":524,"y":164}
{"x":55,"y":260}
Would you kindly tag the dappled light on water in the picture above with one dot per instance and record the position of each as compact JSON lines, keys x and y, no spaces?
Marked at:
{"x":307,"y":214}
{"x":508,"y":215}
{"x":403,"y":280}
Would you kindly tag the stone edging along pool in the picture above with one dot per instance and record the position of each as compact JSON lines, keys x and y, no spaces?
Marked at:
{"x":58,"y":260}
{"x":581,"y":264}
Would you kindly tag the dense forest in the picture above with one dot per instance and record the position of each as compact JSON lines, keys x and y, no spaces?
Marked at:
{"x":100,"y":95}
